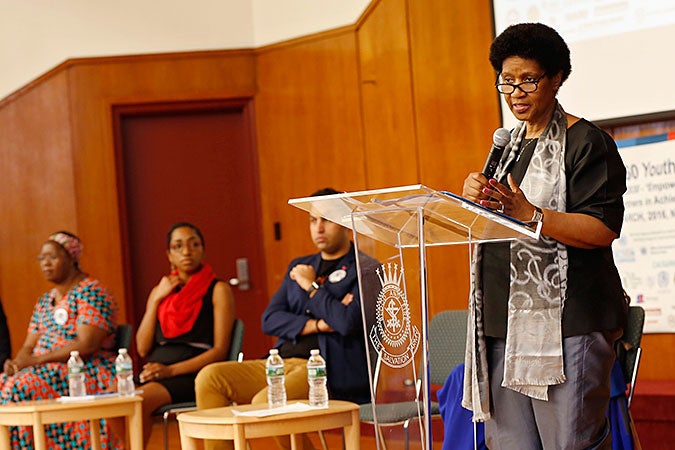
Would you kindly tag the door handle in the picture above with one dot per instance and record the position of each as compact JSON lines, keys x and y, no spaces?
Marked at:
{"x":241,"y":281}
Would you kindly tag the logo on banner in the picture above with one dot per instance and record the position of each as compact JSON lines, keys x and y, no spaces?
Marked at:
{"x":392,"y":335}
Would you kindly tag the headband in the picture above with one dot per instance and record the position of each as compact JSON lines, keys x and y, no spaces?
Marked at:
{"x":70,"y":243}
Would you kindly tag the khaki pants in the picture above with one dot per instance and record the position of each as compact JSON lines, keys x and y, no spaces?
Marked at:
{"x":222,"y":384}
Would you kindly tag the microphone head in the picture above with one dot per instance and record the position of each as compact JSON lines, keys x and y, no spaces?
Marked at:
{"x":501,"y":137}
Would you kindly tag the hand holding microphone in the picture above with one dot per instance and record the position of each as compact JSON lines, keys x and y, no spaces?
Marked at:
{"x":475,"y":182}
{"x":500,"y":140}
{"x":506,"y":198}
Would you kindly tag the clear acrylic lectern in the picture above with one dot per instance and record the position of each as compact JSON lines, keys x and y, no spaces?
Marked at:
{"x":394,"y":226}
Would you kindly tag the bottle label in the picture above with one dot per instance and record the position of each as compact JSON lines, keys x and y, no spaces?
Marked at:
{"x":275,"y":371}
{"x":123,"y":367}
{"x":315,"y":372}
{"x":75,"y":370}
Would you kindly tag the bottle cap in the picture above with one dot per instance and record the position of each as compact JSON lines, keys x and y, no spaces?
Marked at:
{"x":274,"y":351}
{"x":74,"y":353}
{"x":314,"y":351}
{"x":122,"y":351}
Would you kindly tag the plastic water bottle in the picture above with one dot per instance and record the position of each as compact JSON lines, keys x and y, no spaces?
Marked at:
{"x":316,"y":377}
{"x":276,"y":392}
{"x":76,"y":387}
{"x":124,"y":368}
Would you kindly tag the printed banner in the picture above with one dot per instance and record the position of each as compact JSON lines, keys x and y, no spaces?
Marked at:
{"x":645,"y":253}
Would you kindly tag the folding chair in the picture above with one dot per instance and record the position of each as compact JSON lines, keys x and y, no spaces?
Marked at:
{"x":628,"y":359}
{"x":123,"y":336}
{"x":172,"y":409}
{"x":629,"y":351}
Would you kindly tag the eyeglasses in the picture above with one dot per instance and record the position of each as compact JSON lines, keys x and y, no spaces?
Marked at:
{"x":179,"y":246}
{"x":526,"y":86}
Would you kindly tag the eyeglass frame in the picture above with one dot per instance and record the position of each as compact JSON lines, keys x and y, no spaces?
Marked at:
{"x":179,"y":247}
{"x":514,"y":86}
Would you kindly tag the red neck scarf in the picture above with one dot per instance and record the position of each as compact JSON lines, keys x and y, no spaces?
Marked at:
{"x":179,"y":310}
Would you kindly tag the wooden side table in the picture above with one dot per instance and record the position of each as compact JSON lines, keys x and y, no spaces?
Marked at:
{"x":222,"y":424}
{"x":37,"y":413}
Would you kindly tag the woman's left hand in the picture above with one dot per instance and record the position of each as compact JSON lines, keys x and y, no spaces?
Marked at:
{"x":154,"y":371}
{"x":22,"y":361}
{"x":10,"y":367}
{"x":509,"y":200}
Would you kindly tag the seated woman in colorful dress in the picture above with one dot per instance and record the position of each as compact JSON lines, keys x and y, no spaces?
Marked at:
{"x":187,"y":324}
{"x":78,"y":313}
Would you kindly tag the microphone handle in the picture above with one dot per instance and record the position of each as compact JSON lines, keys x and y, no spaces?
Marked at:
{"x":492,"y":162}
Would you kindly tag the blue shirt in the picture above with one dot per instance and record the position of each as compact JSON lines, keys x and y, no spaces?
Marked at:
{"x":344,"y":349}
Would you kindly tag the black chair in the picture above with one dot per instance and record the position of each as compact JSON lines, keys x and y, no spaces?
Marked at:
{"x":628,"y":353}
{"x":166,"y":411}
{"x":123,"y":336}
{"x":629,"y":350}
{"x":447,"y":347}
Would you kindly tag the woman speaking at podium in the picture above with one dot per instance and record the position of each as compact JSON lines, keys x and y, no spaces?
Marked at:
{"x":546,"y":312}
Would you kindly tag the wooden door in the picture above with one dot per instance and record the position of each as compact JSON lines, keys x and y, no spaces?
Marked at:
{"x":195,"y":163}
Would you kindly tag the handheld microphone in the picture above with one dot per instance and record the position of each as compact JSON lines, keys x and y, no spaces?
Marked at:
{"x":500,"y":140}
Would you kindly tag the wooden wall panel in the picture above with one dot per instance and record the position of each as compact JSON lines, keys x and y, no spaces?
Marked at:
{"x":95,"y":86}
{"x":58,"y":150}
{"x":457,"y":109}
{"x":308,"y":135}
{"x":36,"y":194}
{"x":456,"y":113}
{"x":387,"y":98}
{"x":658,"y":357}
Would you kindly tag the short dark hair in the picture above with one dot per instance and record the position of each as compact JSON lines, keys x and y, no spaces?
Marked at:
{"x":181,"y":225}
{"x":534,"y":41}
{"x":324,"y":191}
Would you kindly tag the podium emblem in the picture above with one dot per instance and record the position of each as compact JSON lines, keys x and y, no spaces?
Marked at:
{"x":393,"y":336}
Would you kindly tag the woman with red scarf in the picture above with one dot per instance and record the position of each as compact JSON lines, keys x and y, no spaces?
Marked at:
{"x":187,"y":324}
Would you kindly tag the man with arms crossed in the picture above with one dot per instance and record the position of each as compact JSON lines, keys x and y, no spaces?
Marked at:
{"x":317,"y":306}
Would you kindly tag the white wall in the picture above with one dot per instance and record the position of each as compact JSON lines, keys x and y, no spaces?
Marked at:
{"x":277,"y":20}
{"x":36,"y":35}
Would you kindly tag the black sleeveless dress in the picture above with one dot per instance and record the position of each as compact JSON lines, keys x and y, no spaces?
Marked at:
{"x":186,"y":346}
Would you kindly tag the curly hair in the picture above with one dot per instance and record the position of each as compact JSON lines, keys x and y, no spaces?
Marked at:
{"x":534,"y":41}
{"x":324,"y":191}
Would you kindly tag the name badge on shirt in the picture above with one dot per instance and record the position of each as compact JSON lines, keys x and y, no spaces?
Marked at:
{"x":60,"y":316}
{"x":337,"y":275}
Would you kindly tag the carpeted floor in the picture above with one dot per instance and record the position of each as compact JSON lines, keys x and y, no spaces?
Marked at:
{"x":653,"y":411}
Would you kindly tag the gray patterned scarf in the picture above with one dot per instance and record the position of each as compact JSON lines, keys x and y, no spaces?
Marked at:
{"x":538,"y":284}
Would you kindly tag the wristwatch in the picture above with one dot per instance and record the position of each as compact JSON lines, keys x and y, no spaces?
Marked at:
{"x":538,"y":215}
{"x":314,"y":286}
